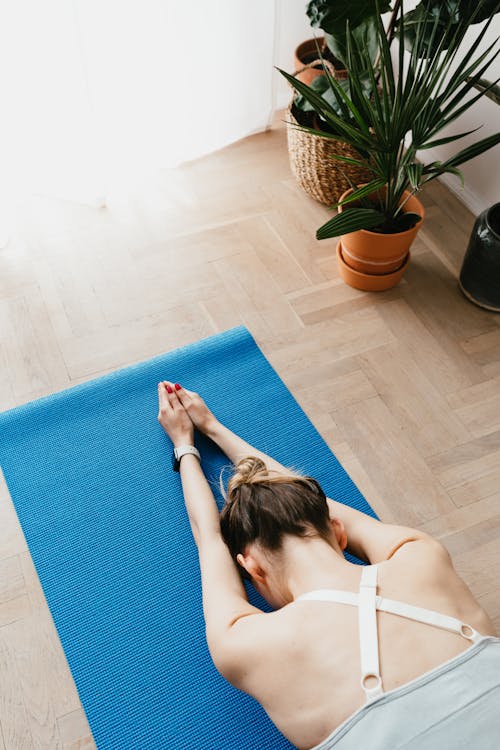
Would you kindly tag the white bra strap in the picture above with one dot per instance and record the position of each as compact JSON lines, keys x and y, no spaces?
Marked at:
{"x":329,"y":595}
{"x":368,"y":633}
{"x":429,"y":617}
{"x":402,"y":609}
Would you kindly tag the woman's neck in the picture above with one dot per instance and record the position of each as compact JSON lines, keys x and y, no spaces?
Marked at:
{"x":312,"y":563}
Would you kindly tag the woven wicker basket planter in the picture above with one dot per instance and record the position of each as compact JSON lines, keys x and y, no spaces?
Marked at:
{"x":317,"y":172}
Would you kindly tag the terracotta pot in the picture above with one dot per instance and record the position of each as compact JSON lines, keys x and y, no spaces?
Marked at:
{"x":369,"y":282}
{"x":307,"y":53}
{"x":377,"y":253}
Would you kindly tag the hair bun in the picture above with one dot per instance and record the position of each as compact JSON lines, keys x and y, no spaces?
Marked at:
{"x":249,"y":470}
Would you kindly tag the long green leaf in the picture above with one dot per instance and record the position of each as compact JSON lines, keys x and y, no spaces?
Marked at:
{"x":458,"y":173}
{"x":448,"y":139}
{"x":492,"y":92}
{"x":414,"y":173}
{"x":468,"y":104}
{"x":443,"y":86}
{"x":419,"y":71}
{"x":350,"y":220}
{"x":320,"y":105}
{"x":472,"y":151}
{"x":375,"y":112}
{"x":448,"y":82}
{"x":334,"y":87}
{"x":361,"y":192}
{"x":439,"y":172}
{"x":375,"y":96}
{"x":359,"y":61}
{"x":465,"y":73}
{"x":351,"y":106}
{"x":385,"y":54}
{"x":354,"y":162}
{"x":437,"y":65}
{"x":334,"y":137}
{"x":398,"y":98}
{"x":306,"y":91}
{"x":466,"y":86}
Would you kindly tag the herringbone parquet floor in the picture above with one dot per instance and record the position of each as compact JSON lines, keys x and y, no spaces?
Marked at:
{"x":404,"y":385}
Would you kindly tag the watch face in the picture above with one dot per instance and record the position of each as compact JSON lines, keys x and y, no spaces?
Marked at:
{"x":175,"y":461}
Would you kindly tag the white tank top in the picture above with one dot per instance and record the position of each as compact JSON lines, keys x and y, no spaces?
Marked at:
{"x":368,"y":603}
{"x":456,"y":705}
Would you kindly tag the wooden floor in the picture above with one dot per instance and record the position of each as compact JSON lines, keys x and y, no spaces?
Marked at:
{"x":404,"y":385}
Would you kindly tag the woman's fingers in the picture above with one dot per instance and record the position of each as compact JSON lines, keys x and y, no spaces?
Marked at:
{"x":183,"y":395}
{"x":170,"y":387}
{"x":176,"y":395}
{"x":173,"y":417}
{"x":168,"y":398}
{"x":162,"y":395}
{"x":164,"y":408}
{"x":172,"y":397}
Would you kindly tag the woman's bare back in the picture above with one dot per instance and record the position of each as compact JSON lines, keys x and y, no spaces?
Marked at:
{"x":302,"y":663}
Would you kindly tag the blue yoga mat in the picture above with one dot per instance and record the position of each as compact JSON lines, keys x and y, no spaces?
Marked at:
{"x":90,"y":475}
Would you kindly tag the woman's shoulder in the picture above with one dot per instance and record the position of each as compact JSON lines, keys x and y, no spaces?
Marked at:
{"x":253,"y":644}
{"x":422,"y":548}
{"x":423,"y":574}
{"x":422,"y":563}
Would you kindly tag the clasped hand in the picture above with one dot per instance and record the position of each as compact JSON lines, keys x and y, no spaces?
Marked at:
{"x":180,"y":411}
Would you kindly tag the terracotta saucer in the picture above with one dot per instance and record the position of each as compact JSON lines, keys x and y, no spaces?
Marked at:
{"x":368,"y":282}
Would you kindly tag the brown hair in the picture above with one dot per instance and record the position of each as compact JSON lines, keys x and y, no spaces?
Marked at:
{"x":263,"y":505}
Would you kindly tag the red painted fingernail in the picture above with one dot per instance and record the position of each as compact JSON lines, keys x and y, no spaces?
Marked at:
{"x":177,"y":387}
{"x":169,"y":390}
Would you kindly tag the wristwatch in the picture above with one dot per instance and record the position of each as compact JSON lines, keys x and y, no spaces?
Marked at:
{"x":181,"y":451}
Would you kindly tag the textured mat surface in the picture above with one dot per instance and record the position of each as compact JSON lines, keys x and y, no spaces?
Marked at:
{"x":90,"y":476}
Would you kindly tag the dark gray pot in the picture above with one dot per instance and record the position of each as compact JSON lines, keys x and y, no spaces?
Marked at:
{"x":480,"y":274}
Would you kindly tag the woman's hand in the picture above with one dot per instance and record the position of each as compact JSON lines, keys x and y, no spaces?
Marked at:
{"x":173,"y":417}
{"x":201,"y":416}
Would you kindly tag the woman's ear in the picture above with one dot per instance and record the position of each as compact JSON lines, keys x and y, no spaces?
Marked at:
{"x":252,"y":567}
{"x":240,"y":559}
{"x":340,"y":532}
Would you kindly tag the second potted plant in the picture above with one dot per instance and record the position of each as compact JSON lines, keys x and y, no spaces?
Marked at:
{"x":311,"y":152}
{"x":412,"y":99}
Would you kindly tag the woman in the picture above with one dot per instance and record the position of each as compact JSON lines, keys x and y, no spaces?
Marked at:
{"x":329,"y":669}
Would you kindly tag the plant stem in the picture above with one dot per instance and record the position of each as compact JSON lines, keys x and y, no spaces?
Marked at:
{"x":403,"y":203}
{"x":391,"y":29}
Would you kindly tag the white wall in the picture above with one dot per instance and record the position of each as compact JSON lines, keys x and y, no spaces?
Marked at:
{"x":292,"y":27}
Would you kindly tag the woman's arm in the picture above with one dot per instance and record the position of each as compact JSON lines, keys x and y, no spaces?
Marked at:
{"x":224,"y":596}
{"x":367,"y":538}
{"x":236,"y":448}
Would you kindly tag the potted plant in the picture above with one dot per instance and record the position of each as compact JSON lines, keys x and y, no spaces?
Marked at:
{"x":412,"y":99}
{"x":308,"y":56}
{"x":332,"y":17}
{"x":311,"y":154}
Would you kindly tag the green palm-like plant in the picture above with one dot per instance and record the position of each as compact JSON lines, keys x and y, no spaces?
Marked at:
{"x":413,"y":98}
